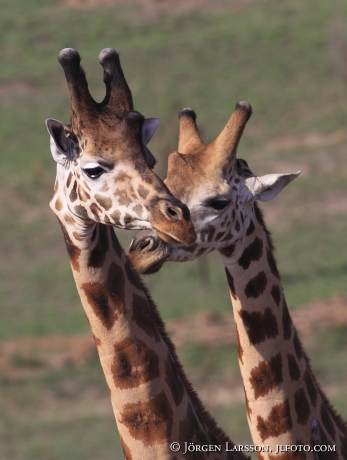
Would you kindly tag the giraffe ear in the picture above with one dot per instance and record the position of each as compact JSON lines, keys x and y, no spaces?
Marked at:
{"x":265,"y":188}
{"x":62,"y":147}
{"x":149,"y":127}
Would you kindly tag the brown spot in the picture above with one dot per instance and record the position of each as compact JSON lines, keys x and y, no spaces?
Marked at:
{"x":115,"y":245}
{"x":259,"y":326}
{"x":231,"y":284}
{"x":311,"y":387}
{"x":237,"y":226}
{"x":107,"y":299}
{"x":258,"y":215}
{"x":327,"y":421}
{"x":219,"y":236}
{"x":99,"y":253}
{"x":256,"y":286}
{"x":127,"y":218}
{"x":149,"y":422}
{"x":73,"y":251}
{"x":115,"y":216}
{"x":228,"y":251}
{"x":286,"y":322}
{"x":252,"y":253}
{"x":126,"y":450}
{"x":81,"y":212}
{"x":239,"y":347}
{"x":210,"y":233}
{"x":143,"y":192}
{"x":250,"y":228}
{"x":293,"y":368}
{"x":174,"y":381}
{"x":82,"y":193}
{"x":278,"y":422}
{"x":58,"y":204}
{"x":248,"y":407}
{"x":302,"y":406}
{"x":73,"y":193}
{"x":190,"y":430}
{"x":276,"y":294}
{"x":143,"y":318}
{"x":97,"y":341}
{"x":272,"y":263}
{"x":297,"y":345}
{"x":104,"y":202}
{"x":266,"y":376}
{"x":69,"y":178}
{"x":138,"y":209}
{"x":95,"y":210}
{"x":134,"y":363}
{"x":123,"y":198}
{"x":122,"y":176}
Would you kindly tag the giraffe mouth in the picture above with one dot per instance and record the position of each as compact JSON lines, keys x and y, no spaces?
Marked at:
{"x":166,"y":237}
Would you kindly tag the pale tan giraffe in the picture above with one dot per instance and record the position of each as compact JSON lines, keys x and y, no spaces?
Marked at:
{"x":103,"y":177}
{"x":285,"y":405}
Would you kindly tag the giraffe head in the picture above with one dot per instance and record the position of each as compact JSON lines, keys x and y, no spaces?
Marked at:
{"x":220,"y":191}
{"x":103,"y":165}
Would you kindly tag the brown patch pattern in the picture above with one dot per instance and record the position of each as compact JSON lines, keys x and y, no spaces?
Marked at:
{"x":104,"y":202}
{"x":272,"y":263}
{"x":297,"y":345}
{"x":134,"y":363}
{"x":266,"y":376}
{"x":143,"y":192}
{"x":73,"y":193}
{"x":278,"y":422}
{"x":231,"y":283}
{"x":259,"y":326}
{"x":143,"y":317}
{"x":73,"y":251}
{"x":123,"y":198}
{"x":327,"y":421}
{"x":149,"y":422}
{"x":252,"y":253}
{"x":302,"y":406}
{"x":107,"y":299}
{"x":228,"y":251}
{"x":286,"y":323}
{"x":311,"y":387}
{"x":276,"y":294}
{"x":293,"y":368}
{"x":256,"y":286}
{"x":99,"y":253}
{"x":174,"y":381}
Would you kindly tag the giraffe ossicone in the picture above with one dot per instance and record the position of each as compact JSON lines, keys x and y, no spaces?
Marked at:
{"x":103,"y":181}
{"x":285,"y":405}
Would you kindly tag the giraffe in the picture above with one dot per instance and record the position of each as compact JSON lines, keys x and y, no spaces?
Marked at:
{"x":285,"y":405}
{"x":103,"y":181}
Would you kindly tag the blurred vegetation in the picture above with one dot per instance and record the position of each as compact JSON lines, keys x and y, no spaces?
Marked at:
{"x":287,"y":60}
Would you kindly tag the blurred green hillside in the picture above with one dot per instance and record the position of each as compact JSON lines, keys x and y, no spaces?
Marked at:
{"x":289,"y":60}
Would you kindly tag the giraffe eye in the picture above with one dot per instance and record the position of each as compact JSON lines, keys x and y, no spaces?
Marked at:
{"x":218,"y":205}
{"x":94,"y":173}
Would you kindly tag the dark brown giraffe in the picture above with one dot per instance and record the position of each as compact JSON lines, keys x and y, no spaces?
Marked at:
{"x":103,"y":177}
{"x":285,"y":405}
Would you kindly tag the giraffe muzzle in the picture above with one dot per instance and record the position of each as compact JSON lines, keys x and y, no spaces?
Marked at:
{"x":172,"y":223}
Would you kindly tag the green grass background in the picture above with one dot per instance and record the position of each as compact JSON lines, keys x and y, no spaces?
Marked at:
{"x":289,"y":60}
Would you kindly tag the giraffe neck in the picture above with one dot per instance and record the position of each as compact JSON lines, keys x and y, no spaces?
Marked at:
{"x":284,"y":401}
{"x":153,"y":402}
